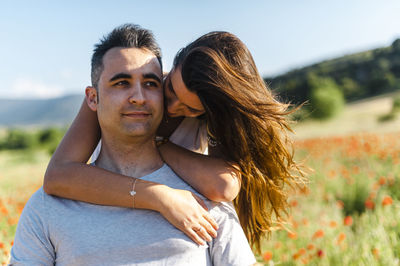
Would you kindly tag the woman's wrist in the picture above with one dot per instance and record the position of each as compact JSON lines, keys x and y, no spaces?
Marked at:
{"x":163,"y":201}
{"x":150,"y":196}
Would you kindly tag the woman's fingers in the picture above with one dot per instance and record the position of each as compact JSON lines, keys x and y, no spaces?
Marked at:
{"x":209,"y":224}
{"x":207,"y":231}
{"x":192,"y":234}
{"x":210,"y":220}
{"x":188,"y":212}
{"x":201,"y":231}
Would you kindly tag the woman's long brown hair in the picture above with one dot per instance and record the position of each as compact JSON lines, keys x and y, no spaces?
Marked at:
{"x":249,"y":125}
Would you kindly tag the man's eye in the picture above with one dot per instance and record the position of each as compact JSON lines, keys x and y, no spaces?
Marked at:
{"x":121,"y":83}
{"x":151,"y":84}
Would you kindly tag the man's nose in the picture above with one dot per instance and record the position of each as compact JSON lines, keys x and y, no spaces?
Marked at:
{"x":137,"y":95}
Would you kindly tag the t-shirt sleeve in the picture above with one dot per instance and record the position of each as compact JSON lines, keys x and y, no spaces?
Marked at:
{"x":230,"y":247}
{"x":191,"y":134}
{"x":32,"y":245}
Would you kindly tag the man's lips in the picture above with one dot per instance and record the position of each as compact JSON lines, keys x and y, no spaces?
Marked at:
{"x":136,"y":114}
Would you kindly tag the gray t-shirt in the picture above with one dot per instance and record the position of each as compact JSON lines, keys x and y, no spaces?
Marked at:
{"x":54,"y":230}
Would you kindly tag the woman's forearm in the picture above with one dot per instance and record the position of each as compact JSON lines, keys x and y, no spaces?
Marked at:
{"x":79,"y":181}
{"x":212,"y":177}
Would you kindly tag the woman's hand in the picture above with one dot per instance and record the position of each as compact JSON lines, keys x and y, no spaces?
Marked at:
{"x":187,"y":212}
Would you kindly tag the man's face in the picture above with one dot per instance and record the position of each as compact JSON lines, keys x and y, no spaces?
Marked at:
{"x":130,"y":99}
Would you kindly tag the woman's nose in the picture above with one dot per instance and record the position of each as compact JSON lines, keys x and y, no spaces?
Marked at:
{"x":173,"y":105}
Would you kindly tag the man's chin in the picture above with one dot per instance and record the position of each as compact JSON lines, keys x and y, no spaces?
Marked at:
{"x":139,"y":131}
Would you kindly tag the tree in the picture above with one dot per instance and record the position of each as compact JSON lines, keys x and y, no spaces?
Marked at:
{"x":17,"y":139}
{"x":326,"y":98}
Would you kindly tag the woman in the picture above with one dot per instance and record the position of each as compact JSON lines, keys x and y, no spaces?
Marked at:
{"x":250,"y":160}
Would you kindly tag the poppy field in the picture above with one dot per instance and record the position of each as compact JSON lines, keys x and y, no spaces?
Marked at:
{"x":348,"y":215}
{"x":21,"y":174}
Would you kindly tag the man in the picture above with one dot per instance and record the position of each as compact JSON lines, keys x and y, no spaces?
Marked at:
{"x":127,"y":96}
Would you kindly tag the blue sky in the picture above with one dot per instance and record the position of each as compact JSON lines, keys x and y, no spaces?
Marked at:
{"x":46,"y":46}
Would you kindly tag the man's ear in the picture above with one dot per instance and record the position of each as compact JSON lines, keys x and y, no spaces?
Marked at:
{"x":91,"y":97}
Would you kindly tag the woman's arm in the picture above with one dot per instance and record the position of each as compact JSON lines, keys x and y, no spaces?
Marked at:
{"x":69,"y":176}
{"x":211,"y":176}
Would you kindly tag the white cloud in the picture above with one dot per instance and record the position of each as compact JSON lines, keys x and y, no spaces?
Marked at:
{"x":30,"y":88}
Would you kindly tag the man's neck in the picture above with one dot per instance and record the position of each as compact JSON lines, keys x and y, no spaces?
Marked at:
{"x":132,"y":158}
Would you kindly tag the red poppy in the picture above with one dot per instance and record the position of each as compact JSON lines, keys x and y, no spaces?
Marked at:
{"x":267,"y":256}
{"x":292,"y":235}
{"x":369,"y":204}
{"x":348,"y":220}
{"x":310,"y":246}
{"x":318,"y":234}
{"x":341,"y":237}
{"x":320,"y":253}
{"x":387,"y":200}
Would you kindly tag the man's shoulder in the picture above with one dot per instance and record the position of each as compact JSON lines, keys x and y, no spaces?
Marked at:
{"x":36,"y":207}
{"x":37,"y":198}
{"x":223,"y":211}
{"x":165,"y":175}
{"x":40,"y":200}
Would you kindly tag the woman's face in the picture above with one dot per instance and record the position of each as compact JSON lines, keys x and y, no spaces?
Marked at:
{"x":179,"y":100}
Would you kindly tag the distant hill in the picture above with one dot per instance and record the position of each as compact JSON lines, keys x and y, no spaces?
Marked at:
{"x":358,"y":76}
{"x":47,"y":112}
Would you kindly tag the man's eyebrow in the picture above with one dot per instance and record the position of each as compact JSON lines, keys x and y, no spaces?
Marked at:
{"x":121,"y":76}
{"x":152,"y":76}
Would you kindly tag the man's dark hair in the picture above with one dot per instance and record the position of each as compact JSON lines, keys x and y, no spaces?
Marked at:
{"x":126,"y":36}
